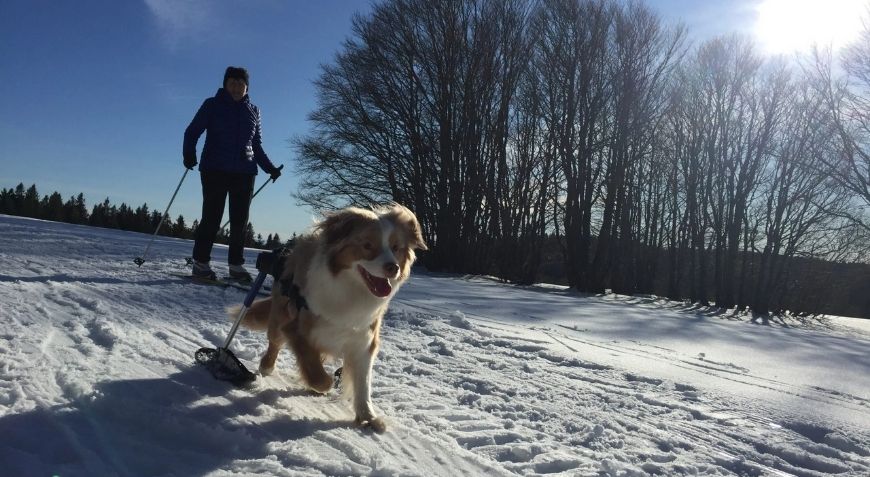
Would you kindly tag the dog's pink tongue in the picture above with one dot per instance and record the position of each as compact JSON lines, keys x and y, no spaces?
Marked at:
{"x":380,"y":286}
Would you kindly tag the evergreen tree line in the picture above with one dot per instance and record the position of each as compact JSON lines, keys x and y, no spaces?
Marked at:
{"x":27,"y":203}
{"x":592,"y":134}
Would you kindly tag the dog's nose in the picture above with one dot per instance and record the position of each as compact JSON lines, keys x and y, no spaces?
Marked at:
{"x":391,"y":268}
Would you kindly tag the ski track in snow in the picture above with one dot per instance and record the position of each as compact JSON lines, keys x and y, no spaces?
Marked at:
{"x":97,"y":378}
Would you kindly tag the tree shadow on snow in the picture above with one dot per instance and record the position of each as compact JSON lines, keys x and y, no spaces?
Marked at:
{"x":185,"y":424}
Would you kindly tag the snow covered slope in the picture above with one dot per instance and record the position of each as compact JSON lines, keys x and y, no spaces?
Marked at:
{"x":474,"y":378}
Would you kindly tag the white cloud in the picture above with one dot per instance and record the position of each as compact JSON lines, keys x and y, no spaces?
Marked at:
{"x":183,"y":21}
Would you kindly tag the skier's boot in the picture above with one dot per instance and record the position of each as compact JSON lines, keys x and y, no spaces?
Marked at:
{"x":239,"y":274}
{"x":203,"y":271}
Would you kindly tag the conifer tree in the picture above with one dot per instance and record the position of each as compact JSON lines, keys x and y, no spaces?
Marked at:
{"x":18,"y":199}
{"x":30,"y":203}
{"x":81,"y":209}
{"x":7,"y":204}
{"x":250,"y":239}
{"x":52,"y":208}
{"x":142,"y":219}
{"x":179,"y":228}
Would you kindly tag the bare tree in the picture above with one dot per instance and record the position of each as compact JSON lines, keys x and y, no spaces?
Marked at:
{"x":416,"y":109}
{"x":848,"y":102}
{"x":569,"y":67}
{"x":798,"y":195}
{"x":644,"y":53}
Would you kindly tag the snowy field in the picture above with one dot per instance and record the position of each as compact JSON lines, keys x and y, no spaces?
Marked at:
{"x":474,"y":378}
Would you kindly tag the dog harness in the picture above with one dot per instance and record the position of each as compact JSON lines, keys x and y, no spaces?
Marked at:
{"x":288,"y":288}
{"x":291,"y":290}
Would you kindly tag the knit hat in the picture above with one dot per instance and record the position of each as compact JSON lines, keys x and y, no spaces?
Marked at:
{"x":237,"y":73}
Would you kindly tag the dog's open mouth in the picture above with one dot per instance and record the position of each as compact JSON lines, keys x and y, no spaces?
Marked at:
{"x":380,"y":287}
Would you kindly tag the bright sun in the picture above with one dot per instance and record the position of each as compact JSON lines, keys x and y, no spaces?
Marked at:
{"x":788,"y":26}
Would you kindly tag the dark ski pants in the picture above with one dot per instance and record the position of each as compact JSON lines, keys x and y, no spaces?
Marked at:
{"x":216,"y":185}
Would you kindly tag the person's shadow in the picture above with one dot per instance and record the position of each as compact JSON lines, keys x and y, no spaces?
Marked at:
{"x":186,"y":424}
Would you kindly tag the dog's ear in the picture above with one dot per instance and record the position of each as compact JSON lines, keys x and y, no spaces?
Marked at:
{"x":417,"y":241}
{"x":403,"y":215}
{"x":338,"y":225}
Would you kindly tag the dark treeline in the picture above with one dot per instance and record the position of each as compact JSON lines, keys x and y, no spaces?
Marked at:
{"x":592,"y":132}
{"x":27,"y":203}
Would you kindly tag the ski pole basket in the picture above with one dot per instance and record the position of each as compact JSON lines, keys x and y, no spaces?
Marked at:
{"x":221,"y":362}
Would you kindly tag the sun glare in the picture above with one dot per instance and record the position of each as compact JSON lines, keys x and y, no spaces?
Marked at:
{"x":789,"y":26}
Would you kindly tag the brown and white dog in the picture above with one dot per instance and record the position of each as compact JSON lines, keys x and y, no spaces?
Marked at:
{"x":346,"y":271}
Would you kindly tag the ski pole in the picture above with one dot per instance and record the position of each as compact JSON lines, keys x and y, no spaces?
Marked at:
{"x":141,"y":259}
{"x":252,"y":199}
{"x":265,"y":266}
{"x":249,"y":299}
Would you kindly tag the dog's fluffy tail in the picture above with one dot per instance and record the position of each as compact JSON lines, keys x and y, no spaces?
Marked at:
{"x":257,"y":317}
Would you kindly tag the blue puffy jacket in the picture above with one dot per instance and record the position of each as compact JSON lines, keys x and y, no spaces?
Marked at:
{"x":233,"y":142}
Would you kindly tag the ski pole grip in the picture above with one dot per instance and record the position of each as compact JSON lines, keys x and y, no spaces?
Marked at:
{"x":265,"y":261}
{"x":273,"y":262}
{"x":252,"y":293}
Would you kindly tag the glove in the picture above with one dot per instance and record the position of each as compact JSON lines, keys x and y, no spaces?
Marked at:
{"x":276,"y":173}
{"x":190,"y":161}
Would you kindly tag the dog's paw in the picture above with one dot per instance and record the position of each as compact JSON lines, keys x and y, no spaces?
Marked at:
{"x":322,"y":385}
{"x":375,"y":423}
{"x":266,"y":371}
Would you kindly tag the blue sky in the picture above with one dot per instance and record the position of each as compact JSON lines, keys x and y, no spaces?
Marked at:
{"x":98,"y":93}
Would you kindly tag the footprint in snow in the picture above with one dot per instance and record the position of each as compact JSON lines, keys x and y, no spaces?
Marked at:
{"x":103,"y":333}
{"x":642,"y":379}
{"x":689,"y":392}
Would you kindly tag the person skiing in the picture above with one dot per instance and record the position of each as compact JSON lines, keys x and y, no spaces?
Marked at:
{"x":232,"y":151}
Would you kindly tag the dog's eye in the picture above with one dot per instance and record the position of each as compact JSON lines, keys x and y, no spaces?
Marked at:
{"x":395,"y":248}
{"x":367,"y":245}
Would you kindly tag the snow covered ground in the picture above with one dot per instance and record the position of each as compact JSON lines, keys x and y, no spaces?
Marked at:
{"x":474,"y":378}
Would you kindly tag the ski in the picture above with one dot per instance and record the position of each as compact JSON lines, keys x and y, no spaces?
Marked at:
{"x":243,"y":283}
{"x":264,"y":291}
